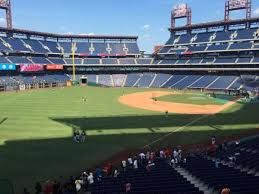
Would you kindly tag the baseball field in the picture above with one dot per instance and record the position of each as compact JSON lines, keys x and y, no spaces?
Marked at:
{"x":36,"y":127}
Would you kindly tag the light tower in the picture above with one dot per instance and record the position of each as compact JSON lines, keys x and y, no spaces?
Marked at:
{"x":232,"y":5}
{"x":6,"y":5}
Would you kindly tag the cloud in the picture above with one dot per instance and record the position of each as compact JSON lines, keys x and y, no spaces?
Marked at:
{"x":256,"y":11}
{"x":87,"y":34}
{"x":2,"y":21}
{"x":146,"y":27}
{"x":146,"y":37}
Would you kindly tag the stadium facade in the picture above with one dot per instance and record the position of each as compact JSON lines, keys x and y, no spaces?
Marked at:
{"x":222,"y":55}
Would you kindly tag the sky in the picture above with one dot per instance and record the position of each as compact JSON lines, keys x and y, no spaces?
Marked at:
{"x":147,"y":19}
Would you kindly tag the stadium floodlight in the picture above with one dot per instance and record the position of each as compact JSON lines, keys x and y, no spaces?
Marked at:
{"x":181,"y":11}
{"x":232,"y":5}
{"x":6,"y":5}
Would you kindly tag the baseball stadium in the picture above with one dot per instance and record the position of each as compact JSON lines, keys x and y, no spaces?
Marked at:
{"x":96,"y":114}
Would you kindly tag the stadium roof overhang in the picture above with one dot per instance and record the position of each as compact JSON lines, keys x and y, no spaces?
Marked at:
{"x":65,"y":36}
{"x":216,"y":24}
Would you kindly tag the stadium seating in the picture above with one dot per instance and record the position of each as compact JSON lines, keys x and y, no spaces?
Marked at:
{"x":105,"y":80}
{"x":161,"y":179}
{"x":118,"y":80}
{"x":160,"y":79}
{"x":239,"y":182}
{"x":132,"y":79}
{"x":145,"y":80}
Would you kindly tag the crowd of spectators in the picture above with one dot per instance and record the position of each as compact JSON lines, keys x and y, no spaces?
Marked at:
{"x":84,"y":182}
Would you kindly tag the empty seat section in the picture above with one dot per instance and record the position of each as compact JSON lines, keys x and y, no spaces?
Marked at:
{"x":169,"y":61}
{"x":132,"y":79}
{"x":117,"y":48}
{"x":146,"y":80}
{"x":40,"y":60}
{"x":194,"y":61}
{"x":217,"y":47}
{"x":4,"y":47}
{"x":203,"y":37}
{"x":204,"y":81}
{"x":173,"y":80}
{"x":16,"y":44}
{"x":197,"y":48}
{"x":109,"y":61}
{"x":256,"y":60}
{"x":223,"y":36}
{"x":185,"y":38}
{"x":241,"y":45}
{"x":67,"y":46}
{"x":57,"y":61}
{"x":118,"y":80}
{"x":16,"y":59}
{"x":4,"y":60}
{"x":127,"y":61}
{"x":144,"y":61}
{"x":208,"y":60}
{"x":70,"y":61}
{"x":53,"y":46}
{"x":132,"y":48}
{"x":100,"y":48}
{"x":36,"y":46}
{"x":245,"y":34}
{"x":244,"y":60}
{"x":182,"y":61}
{"x":225,"y":60}
{"x":92,"y":61}
{"x":83,"y":47}
{"x":164,"y":49}
{"x":223,"y":82}
{"x":160,"y":80}
{"x":105,"y":80}
{"x":186,"y":82}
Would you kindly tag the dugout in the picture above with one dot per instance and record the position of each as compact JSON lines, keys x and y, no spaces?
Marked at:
{"x":83,"y":81}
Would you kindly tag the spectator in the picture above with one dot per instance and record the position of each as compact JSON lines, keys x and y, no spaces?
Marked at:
{"x":128,"y":187}
{"x":78,"y":184}
{"x":98,"y":174}
{"x":116,"y":173}
{"x":83,"y":136}
{"x":124,"y":165}
{"x":48,"y":187}
{"x":149,"y":166}
{"x":173,"y":162}
{"x":38,"y":188}
{"x":142,"y":156}
{"x":135,"y":164}
{"x":175,"y":154}
{"x":90,"y":178}
{"x":162,"y":154}
{"x":225,"y":190}
{"x":130,"y":161}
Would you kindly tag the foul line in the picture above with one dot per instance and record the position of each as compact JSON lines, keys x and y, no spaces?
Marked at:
{"x":176,"y":130}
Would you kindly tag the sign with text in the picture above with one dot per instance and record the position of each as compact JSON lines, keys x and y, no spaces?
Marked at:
{"x":180,"y":11}
{"x":31,"y":67}
{"x":237,"y":4}
{"x":54,"y":67}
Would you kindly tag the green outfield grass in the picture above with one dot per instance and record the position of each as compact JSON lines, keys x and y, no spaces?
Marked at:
{"x":197,"y":98}
{"x":36,"y":130}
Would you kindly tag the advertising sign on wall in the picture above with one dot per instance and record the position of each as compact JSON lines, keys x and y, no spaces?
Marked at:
{"x":31,"y":67}
{"x":7,"y":67}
